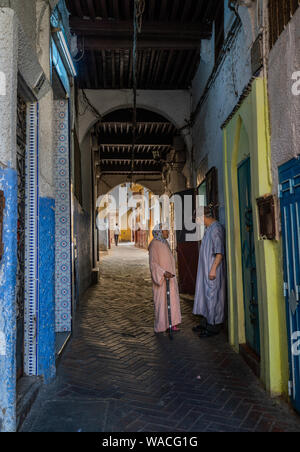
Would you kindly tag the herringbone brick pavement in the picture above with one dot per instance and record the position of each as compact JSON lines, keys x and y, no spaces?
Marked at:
{"x":118,"y":376}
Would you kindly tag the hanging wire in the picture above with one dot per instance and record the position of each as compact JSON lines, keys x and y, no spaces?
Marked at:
{"x":139,"y":9}
{"x":89,"y":106}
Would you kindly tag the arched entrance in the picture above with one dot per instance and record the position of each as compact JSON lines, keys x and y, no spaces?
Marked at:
{"x":126,"y":215}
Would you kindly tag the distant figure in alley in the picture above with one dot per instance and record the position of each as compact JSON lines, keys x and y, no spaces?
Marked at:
{"x":162,"y":267}
{"x":211,"y":286}
{"x":117,"y":234}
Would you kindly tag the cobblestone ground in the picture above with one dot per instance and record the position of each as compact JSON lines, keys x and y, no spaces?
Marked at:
{"x":116,"y":375}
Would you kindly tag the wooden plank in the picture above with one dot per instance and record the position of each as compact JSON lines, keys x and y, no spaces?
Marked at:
{"x":113,"y":69}
{"x":152,"y":59}
{"x":91,"y":9}
{"x":103,"y":53}
{"x":157,"y":71}
{"x":177,"y":65}
{"x":103,"y":9}
{"x":124,"y":29}
{"x":197,"y":14}
{"x":130,"y":69}
{"x":163,"y":10}
{"x":145,"y":54}
{"x":175,"y":9}
{"x":167,"y":68}
{"x":111,"y":44}
{"x":151,"y":9}
{"x":95,"y":69}
{"x":78,"y":8}
{"x":186,"y":10}
{"x":121,"y":69}
{"x":127,"y":12}
{"x":116,"y":8}
{"x":193,"y":67}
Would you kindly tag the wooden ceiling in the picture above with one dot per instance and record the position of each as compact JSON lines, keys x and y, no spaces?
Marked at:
{"x":114,"y":136}
{"x":168,"y":47}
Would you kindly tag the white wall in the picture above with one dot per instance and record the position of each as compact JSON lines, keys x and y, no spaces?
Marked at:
{"x":284,"y":60}
{"x":233,"y":76}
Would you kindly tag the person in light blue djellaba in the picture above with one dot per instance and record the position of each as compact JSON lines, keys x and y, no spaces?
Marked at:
{"x":211,"y":285}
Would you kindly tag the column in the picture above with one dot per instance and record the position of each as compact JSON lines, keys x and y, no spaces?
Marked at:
{"x":8,"y":184}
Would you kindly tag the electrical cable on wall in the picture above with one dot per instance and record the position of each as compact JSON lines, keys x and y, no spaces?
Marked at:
{"x":89,"y":106}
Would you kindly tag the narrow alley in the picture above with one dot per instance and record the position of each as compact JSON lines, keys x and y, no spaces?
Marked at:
{"x":117,"y":375}
{"x":161,"y":127}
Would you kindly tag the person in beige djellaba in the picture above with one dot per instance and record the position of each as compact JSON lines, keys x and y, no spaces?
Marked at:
{"x":163,"y":267}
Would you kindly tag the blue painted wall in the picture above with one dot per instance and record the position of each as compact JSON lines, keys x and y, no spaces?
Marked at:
{"x":8,"y":272}
{"x":46,"y":311}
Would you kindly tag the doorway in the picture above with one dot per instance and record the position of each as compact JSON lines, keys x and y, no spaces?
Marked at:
{"x":248,"y":257}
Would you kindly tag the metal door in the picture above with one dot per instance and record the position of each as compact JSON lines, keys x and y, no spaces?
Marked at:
{"x":289,"y":193}
{"x":248,"y":258}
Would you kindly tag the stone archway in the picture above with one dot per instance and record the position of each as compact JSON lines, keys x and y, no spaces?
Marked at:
{"x":174,"y":106}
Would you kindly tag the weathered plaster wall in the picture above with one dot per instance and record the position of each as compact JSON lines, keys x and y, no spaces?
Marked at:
{"x":8,"y":184}
{"x":8,"y":271}
{"x":232,"y":77}
{"x":284,"y":60}
{"x":8,"y":96}
{"x":26,"y":13}
{"x":46,"y":126}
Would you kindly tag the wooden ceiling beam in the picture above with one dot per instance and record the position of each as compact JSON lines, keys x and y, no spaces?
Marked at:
{"x":116,"y":9}
{"x":93,"y":43}
{"x":78,"y":8}
{"x":115,"y":140}
{"x":104,"y":65}
{"x":167,"y":67}
{"x":151,"y":9}
{"x":124,"y":29}
{"x":163,"y":10}
{"x":103,"y":8}
{"x":129,"y":172}
{"x":91,"y":9}
{"x":186,"y":10}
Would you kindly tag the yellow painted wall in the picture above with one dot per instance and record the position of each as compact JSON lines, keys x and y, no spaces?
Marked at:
{"x":126,"y":234}
{"x":246,"y":135}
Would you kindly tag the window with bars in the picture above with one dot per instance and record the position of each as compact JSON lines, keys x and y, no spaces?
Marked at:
{"x":280,"y":13}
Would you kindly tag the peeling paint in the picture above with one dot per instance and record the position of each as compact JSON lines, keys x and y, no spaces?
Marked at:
{"x":46,"y":315}
{"x":2,"y":344}
{"x":2,"y":84}
{"x":8,"y":271}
